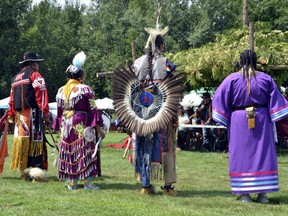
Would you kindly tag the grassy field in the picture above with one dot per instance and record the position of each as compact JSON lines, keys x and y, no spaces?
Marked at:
{"x":203,"y":189}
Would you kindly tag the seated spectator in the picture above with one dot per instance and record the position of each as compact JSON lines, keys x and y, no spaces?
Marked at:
{"x":182,"y":132}
{"x":194,"y":135}
{"x":205,"y":110}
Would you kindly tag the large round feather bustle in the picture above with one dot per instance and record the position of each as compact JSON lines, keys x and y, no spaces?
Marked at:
{"x":144,"y":120}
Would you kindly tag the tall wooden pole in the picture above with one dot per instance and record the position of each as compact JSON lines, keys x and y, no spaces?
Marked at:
{"x":245,"y":12}
{"x":133,"y":47}
{"x":158,"y":14}
{"x":251,"y":35}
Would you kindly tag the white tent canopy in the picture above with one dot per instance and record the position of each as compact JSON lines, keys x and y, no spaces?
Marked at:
{"x":191,"y":100}
{"x":102,"y":104}
{"x":4,"y":103}
{"x":53,"y":106}
{"x":105,"y":103}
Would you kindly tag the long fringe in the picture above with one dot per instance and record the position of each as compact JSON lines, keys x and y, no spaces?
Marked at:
{"x":75,"y":160}
{"x":157,"y":171}
{"x":20,"y":153}
{"x":35,"y":148}
{"x":72,"y":101}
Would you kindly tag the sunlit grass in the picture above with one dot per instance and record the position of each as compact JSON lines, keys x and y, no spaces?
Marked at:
{"x":203,"y":189}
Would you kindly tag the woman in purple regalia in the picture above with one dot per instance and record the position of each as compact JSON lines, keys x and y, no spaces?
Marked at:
{"x":248,"y":103}
{"x":76,"y":111}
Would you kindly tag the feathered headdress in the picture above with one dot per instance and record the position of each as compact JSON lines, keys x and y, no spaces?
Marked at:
{"x":71,"y":71}
{"x":153,"y":33}
{"x":77,"y":63}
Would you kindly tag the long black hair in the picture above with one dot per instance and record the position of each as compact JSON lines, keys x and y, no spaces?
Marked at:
{"x":73,"y":72}
{"x":248,"y":60}
{"x":159,"y":41}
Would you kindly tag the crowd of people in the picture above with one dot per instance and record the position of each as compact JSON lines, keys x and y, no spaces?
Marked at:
{"x":247,"y":103}
{"x":200,"y":136}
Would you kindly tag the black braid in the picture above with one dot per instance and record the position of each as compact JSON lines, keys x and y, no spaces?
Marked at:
{"x":150,"y":62}
{"x":248,"y":58}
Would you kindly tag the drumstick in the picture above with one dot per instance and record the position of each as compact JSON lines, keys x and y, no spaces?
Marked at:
{"x":96,"y":147}
{"x":127,"y":147}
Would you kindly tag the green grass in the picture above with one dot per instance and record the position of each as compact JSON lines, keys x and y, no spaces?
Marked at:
{"x":203,"y":189}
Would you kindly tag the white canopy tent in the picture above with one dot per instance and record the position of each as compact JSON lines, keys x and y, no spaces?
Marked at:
{"x":105,"y":103}
{"x":53,"y":106}
{"x":191,"y":100}
{"x":4,"y":103}
{"x":102,"y":104}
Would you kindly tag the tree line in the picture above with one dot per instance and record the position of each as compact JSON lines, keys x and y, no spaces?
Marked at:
{"x":105,"y":29}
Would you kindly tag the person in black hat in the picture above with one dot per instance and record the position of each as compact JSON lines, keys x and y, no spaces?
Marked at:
{"x":28,"y":109}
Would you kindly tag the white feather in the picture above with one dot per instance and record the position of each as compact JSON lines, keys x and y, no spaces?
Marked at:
{"x":79,"y":59}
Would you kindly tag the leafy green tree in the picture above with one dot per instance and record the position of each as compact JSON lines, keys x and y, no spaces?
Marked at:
{"x":11,"y":17}
{"x":274,"y":12}
{"x":105,"y":30}
{"x":54,"y":32}
{"x":212,"y":18}
{"x":103,"y":39}
{"x":208,"y":65}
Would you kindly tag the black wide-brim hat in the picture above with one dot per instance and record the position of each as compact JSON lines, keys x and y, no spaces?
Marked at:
{"x":31,"y":57}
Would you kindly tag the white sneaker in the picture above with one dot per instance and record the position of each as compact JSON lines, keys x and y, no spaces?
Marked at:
{"x":245,"y":198}
{"x":91,"y":187}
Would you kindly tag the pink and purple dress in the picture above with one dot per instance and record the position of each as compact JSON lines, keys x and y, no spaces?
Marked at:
{"x":75,"y":156}
{"x":252,"y":152}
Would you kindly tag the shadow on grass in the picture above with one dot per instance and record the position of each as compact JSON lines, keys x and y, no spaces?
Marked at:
{"x":282,"y":152}
{"x":49,"y":179}
{"x":280,"y":200}
{"x":201,"y":193}
{"x":120,"y":186}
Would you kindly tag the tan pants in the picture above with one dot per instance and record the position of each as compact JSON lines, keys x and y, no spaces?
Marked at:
{"x":169,"y":158}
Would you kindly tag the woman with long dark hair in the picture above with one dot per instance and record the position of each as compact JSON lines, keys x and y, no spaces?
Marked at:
{"x":248,"y":102}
